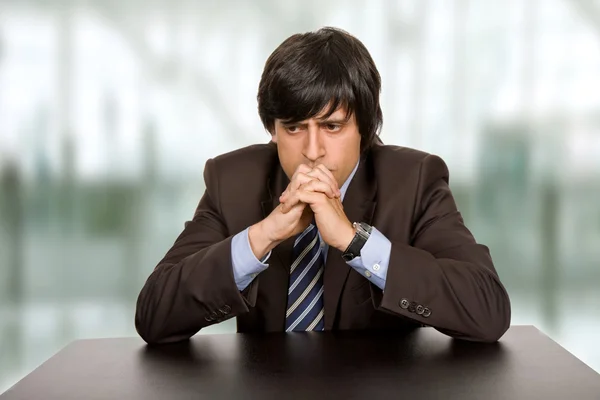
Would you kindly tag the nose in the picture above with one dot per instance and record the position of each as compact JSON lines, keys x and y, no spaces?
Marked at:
{"x":313,"y":144}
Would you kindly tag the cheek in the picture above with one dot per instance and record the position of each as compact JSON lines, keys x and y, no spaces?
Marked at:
{"x":288,"y":162}
{"x":341,"y":155}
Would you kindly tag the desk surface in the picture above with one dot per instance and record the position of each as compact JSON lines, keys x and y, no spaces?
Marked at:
{"x":425,"y":364}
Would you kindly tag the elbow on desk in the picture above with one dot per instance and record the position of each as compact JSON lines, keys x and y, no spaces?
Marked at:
{"x":493,"y":315}
{"x":491,"y":334}
{"x":501,"y":327}
{"x":499,"y":318}
{"x":146,"y":324}
{"x":152,"y":323}
{"x":155,"y":340}
{"x":489,"y":329}
{"x":153,"y":334}
{"x":147,"y":330}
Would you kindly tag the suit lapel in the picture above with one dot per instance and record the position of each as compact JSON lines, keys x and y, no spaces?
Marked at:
{"x":359,"y":205}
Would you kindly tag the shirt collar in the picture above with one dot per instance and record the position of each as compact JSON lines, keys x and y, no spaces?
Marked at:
{"x":348,"y":180}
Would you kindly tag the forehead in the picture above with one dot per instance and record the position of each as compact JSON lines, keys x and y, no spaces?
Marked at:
{"x":338,"y":115}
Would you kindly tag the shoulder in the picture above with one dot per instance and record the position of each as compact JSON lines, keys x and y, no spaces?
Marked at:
{"x":244,"y":164}
{"x":398,"y":168}
{"x":241,"y":173}
{"x":254,"y":157}
{"x":406,"y":159}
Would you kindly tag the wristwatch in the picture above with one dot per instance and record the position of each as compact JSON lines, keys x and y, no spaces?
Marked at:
{"x":363,"y":231}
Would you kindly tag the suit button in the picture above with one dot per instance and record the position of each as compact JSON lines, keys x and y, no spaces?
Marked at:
{"x":420,"y":309}
{"x":404,"y":303}
{"x":412,"y":306}
{"x":426,"y":312}
{"x":225,"y":309}
{"x":211,"y":317}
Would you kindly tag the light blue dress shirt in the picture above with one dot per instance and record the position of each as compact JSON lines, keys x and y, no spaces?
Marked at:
{"x":372,"y":263}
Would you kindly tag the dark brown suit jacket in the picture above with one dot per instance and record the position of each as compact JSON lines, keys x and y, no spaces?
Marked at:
{"x":434,"y":262}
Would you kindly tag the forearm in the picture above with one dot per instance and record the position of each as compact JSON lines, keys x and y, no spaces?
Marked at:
{"x":444,"y":278}
{"x":180,"y":298}
{"x":457,"y":292}
{"x":260,"y":242}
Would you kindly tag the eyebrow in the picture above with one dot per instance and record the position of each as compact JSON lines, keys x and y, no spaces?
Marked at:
{"x":340,"y":121}
{"x":333,"y":121}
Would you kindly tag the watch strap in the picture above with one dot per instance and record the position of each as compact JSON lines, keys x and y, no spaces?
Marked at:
{"x":361,"y":236}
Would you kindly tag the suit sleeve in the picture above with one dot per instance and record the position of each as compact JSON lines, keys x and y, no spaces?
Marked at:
{"x":193,"y":286}
{"x":444,"y":279}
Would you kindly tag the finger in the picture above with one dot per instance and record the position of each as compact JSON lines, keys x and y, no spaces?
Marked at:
{"x":297,"y":180}
{"x":288,"y":202}
{"x":312,"y":186}
{"x":301,"y":178}
{"x":322,"y":176}
{"x":319,"y":186}
{"x":309,"y":197}
{"x":293,"y":186}
{"x":301,"y":169}
{"x":327,"y":172}
{"x":288,"y":206}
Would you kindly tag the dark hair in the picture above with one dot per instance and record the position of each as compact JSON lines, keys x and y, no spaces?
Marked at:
{"x":311,"y":70}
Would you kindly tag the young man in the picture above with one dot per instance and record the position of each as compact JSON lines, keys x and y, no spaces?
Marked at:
{"x":324,"y":228}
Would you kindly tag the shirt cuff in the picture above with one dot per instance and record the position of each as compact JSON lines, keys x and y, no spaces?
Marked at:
{"x":374,"y":259}
{"x":245,"y":264}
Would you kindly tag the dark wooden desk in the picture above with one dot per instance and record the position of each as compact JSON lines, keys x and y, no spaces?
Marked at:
{"x":425,"y":364}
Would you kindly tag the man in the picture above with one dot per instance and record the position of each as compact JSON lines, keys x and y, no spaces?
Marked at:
{"x":324,"y":228}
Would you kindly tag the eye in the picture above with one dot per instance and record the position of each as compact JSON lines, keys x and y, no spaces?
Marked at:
{"x":292,"y":128}
{"x":333,"y":127}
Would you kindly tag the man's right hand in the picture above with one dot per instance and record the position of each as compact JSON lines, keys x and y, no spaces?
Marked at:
{"x":282,"y":224}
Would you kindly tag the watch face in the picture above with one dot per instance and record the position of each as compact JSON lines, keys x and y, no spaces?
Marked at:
{"x":362,"y":231}
{"x":366,"y":227}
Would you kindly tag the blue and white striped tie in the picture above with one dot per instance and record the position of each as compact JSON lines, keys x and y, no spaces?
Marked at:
{"x":305,"y":294}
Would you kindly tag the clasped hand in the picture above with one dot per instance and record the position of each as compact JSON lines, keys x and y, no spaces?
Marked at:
{"x":315,"y":192}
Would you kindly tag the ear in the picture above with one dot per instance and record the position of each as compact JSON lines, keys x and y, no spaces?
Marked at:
{"x":274,"y":137}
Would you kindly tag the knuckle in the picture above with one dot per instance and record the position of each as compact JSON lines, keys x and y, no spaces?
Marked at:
{"x":306,"y":178}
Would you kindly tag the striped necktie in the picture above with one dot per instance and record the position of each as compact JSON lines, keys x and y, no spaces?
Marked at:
{"x":305,"y":294}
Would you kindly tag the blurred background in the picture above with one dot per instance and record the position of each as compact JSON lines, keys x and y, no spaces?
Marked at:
{"x":110,"y":108}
